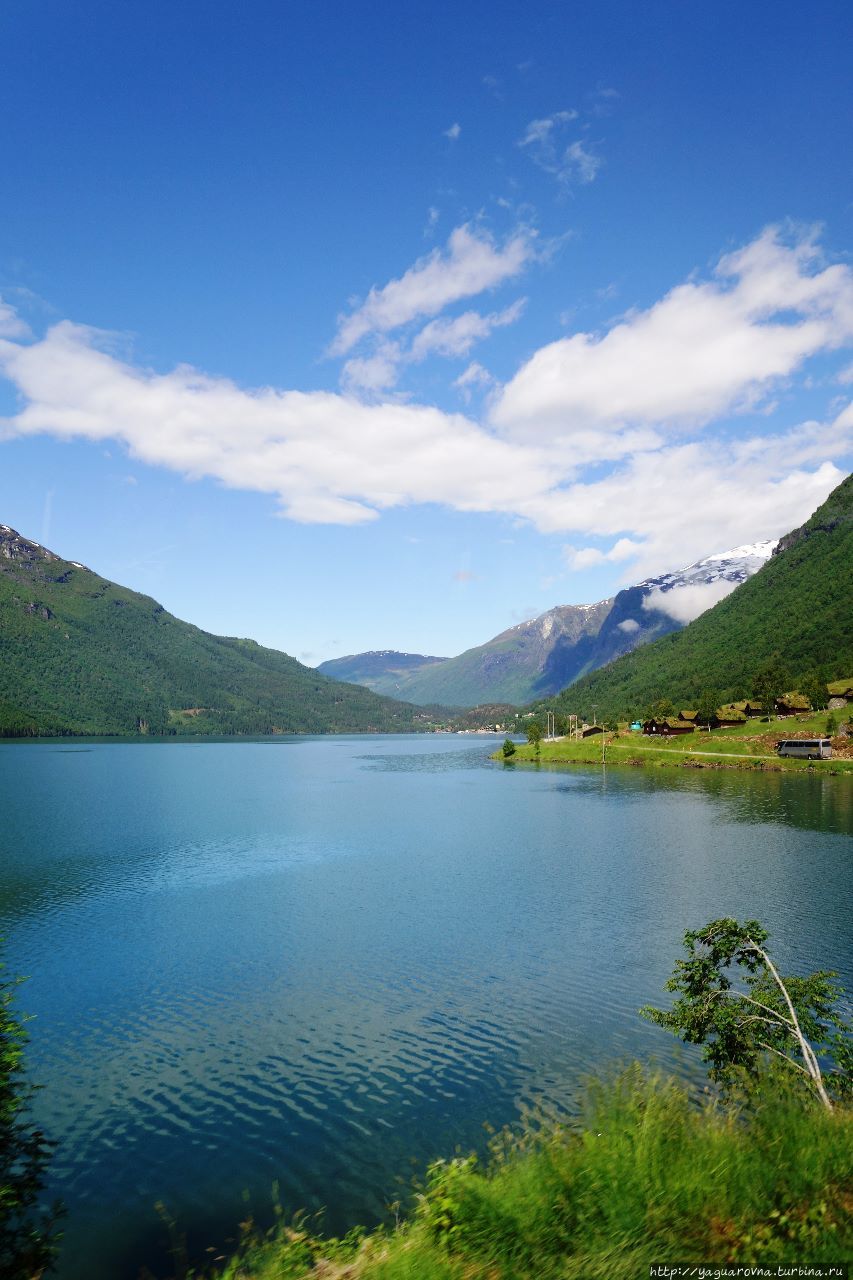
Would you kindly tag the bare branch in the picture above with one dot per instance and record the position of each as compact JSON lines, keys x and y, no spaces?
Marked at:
{"x":805,"y":1048}
{"x":780,"y":1054}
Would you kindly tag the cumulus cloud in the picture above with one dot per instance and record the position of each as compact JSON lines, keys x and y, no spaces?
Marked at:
{"x":628,"y":625}
{"x":605,"y":467}
{"x":328,"y":458}
{"x":455,"y":337}
{"x":586,"y":557}
{"x":681,"y":501}
{"x":707,"y":348}
{"x":374,"y":373}
{"x":474,"y":376}
{"x":11,"y":324}
{"x":687,"y":602}
{"x":471,"y":263}
{"x":449,"y":337}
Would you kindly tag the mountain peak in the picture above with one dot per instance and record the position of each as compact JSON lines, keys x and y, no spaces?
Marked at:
{"x":14,"y":546}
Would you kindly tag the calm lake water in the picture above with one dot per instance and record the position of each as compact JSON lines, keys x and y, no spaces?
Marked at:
{"x":324,"y":962}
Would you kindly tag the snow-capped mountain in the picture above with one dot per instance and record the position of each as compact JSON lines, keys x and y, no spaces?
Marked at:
{"x":539,"y":657}
{"x":687,"y":592}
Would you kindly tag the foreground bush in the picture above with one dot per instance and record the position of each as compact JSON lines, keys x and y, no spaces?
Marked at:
{"x":649,"y":1175}
{"x":28,"y":1234}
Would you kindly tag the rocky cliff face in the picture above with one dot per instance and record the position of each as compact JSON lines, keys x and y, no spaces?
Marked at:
{"x":15,"y":547}
{"x":18,"y":552}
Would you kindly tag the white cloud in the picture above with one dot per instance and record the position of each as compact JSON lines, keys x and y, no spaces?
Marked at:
{"x":454,"y":131}
{"x":651,"y":503}
{"x":451,"y":338}
{"x":579,"y":163}
{"x":457,"y":336}
{"x":568,"y":163}
{"x":471,"y":264}
{"x":586,"y":557}
{"x":686,"y":603}
{"x":328,"y":458}
{"x":11,"y":324}
{"x":474,"y":376}
{"x":628,"y":625}
{"x":373,"y":373}
{"x":705,"y":349}
{"x":685,"y":501}
{"x":540,"y":131}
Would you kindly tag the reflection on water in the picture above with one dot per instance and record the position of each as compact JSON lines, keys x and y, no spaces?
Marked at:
{"x":329,"y":963}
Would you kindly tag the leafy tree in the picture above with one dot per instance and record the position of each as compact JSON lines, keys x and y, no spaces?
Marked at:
{"x":765,"y":1018}
{"x":706,"y":707}
{"x":28,"y":1235}
{"x":831,"y":726}
{"x":534,"y":735}
{"x":659,"y":710}
{"x":769,"y":683}
{"x":813,"y":688}
{"x":508,"y":748}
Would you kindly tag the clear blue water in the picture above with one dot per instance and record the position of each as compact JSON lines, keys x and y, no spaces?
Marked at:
{"x":324,"y":962}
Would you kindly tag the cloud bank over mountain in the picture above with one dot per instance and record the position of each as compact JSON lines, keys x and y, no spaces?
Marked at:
{"x":621,"y":434}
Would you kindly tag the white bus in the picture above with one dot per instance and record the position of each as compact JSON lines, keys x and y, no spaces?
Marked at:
{"x":808,"y":748}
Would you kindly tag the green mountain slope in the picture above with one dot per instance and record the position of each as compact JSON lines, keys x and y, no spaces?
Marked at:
{"x":382,"y":670}
{"x":800,"y":604}
{"x":79,"y":654}
{"x":512,"y":667}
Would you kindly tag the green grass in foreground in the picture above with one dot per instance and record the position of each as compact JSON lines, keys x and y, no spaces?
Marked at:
{"x":748,"y":746}
{"x":649,"y":1174}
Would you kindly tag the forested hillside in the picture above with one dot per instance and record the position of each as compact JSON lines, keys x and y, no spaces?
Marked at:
{"x":800,"y":605}
{"x":79,"y":654}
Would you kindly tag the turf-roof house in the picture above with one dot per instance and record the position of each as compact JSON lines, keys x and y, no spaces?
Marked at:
{"x":668,"y":726}
{"x":751,"y":708}
{"x":793,"y":704}
{"x":729,"y":716}
{"x":689,"y":716}
{"x":841,"y":689}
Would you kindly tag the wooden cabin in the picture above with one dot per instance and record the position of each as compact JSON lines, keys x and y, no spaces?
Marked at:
{"x":793,"y":704}
{"x":729,"y":716}
{"x":750,"y":707}
{"x":667,"y":727}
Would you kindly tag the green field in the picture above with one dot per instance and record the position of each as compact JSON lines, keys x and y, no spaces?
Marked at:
{"x":747,"y":746}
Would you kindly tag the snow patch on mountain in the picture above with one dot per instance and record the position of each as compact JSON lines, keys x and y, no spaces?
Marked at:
{"x":685,"y":594}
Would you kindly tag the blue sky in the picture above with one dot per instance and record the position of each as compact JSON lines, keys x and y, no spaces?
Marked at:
{"x":378,"y":325}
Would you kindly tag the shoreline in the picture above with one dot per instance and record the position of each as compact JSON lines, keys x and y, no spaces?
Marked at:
{"x":628,"y":756}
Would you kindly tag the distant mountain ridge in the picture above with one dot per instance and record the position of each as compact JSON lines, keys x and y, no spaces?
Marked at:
{"x":536,"y":658}
{"x":382,"y":670}
{"x":798,"y":605}
{"x":80,"y":654}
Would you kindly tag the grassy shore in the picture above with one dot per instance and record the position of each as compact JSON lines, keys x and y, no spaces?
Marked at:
{"x":749,"y":746}
{"x":649,"y":1174}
